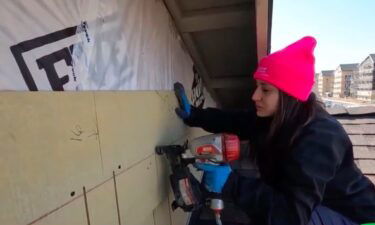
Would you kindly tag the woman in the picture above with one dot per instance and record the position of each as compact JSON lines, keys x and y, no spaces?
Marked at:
{"x":305,"y":158}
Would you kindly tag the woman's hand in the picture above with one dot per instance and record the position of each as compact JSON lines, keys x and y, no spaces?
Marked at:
{"x":184,"y":109}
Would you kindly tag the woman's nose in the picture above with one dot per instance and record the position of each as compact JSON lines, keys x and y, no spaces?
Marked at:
{"x":256,"y":95}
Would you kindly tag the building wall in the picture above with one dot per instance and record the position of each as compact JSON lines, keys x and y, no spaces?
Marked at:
{"x":342,"y":79}
{"x":320,"y":84}
{"x":316,"y":84}
{"x":328,"y":82}
{"x":338,"y":83}
{"x":354,"y":84}
{"x":366,"y":80}
{"x":325,"y":84}
{"x":55,"y":145}
{"x":346,"y":84}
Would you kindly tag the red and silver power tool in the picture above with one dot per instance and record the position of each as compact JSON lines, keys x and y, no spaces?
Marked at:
{"x":212,"y":149}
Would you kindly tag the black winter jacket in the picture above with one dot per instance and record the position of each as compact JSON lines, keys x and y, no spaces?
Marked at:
{"x":319,"y":169}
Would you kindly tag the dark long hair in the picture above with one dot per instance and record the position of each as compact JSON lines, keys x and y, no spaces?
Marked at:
{"x":293,"y":113}
{"x":291,"y":117}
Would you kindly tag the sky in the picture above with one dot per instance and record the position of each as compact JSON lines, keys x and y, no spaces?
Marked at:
{"x":344,"y":29}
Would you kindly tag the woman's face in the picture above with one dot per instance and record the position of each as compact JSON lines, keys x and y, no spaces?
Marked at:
{"x":266,"y":98}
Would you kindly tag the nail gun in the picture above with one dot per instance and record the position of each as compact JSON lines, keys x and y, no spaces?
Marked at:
{"x":212,"y":149}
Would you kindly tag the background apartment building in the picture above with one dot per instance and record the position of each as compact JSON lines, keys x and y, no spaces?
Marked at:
{"x":316,"y":84}
{"x":343,"y":76}
{"x":325,"y":83}
{"x":366,"y":79}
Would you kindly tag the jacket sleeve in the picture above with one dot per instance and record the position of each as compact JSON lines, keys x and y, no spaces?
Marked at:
{"x":215,"y":120}
{"x":313,"y":162}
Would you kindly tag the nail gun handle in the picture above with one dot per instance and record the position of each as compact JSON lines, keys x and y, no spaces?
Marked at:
{"x":186,"y":190}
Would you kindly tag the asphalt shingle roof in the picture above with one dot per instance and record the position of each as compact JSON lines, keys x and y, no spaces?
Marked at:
{"x":359,"y":123}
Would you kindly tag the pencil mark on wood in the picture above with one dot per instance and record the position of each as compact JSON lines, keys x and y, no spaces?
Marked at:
{"x":77,"y":131}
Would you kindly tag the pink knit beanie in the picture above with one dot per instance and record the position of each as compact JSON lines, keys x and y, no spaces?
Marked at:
{"x":291,"y":69}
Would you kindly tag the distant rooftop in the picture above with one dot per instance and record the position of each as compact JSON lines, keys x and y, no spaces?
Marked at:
{"x":350,"y":66}
{"x":371,"y":56}
{"x":359,"y":123}
{"x":328,"y":72}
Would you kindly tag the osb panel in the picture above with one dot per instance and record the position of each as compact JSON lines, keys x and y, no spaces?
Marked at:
{"x":49,"y":148}
{"x":131,"y":124}
{"x":73,"y":214}
{"x":178,"y":216}
{"x":161,"y":213}
{"x":145,"y":220}
{"x":101,"y":203}
{"x":163,"y":172}
{"x":137,"y":191}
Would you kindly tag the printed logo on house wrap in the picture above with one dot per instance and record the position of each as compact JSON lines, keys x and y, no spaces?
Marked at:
{"x":46,"y":61}
{"x":197,"y":96}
